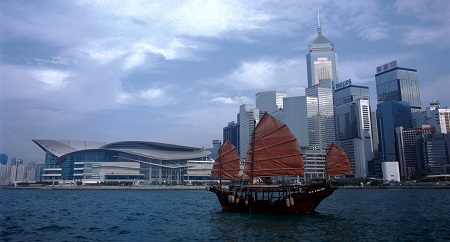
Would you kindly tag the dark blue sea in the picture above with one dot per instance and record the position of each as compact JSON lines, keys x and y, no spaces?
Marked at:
{"x":195,"y":215}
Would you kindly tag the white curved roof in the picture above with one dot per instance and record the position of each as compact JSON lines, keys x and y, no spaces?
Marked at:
{"x":153,"y":150}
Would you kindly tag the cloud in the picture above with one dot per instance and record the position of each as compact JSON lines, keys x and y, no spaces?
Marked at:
{"x":427,"y":35}
{"x":213,"y":18}
{"x":232,"y":100}
{"x":151,"y":97}
{"x":361,"y":17}
{"x":54,"y":60}
{"x":166,"y":29}
{"x":266,"y":73}
{"x":424,"y":10}
{"x":53,"y":79}
{"x":431,"y":23}
{"x":32,"y":82}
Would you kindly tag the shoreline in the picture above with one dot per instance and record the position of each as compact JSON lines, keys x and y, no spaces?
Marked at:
{"x":201,"y":187}
{"x":107,"y":187}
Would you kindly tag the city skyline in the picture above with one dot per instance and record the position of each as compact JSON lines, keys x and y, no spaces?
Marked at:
{"x":177,"y":72}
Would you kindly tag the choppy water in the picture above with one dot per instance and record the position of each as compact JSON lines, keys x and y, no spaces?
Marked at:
{"x":195,"y":215}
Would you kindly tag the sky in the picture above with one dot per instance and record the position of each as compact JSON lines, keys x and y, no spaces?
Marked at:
{"x":177,"y":71}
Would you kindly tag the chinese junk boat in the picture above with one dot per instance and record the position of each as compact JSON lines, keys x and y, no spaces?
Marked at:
{"x":273,"y":151}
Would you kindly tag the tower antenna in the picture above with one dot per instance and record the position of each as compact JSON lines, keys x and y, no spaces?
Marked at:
{"x":319,"y":29}
{"x":318,"y":17}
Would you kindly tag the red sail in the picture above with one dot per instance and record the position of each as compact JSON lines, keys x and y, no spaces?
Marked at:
{"x":227,"y":162}
{"x":274,"y":152}
{"x":337,"y":162}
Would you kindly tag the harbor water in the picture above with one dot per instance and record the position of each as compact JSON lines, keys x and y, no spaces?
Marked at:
{"x":195,"y":215}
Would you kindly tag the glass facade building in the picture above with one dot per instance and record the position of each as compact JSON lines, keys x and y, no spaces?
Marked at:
{"x":399,"y":84}
{"x":390,"y":115}
{"x":248,"y":115}
{"x":270,"y":101}
{"x":321,"y":60}
{"x":435,"y":150}
{"x":353,"y":126}
{"x":296,"y":117}
{"x":409,"y":153}
{"x":321,"y":127}
{"x":231,"y":133}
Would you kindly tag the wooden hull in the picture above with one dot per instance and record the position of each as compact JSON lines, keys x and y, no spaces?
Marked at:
{"x":304,"y":200}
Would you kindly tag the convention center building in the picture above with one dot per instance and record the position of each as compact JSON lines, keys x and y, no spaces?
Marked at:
{"x":123,"y":163}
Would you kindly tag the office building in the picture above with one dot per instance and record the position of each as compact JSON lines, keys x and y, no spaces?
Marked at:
{"x":390,"y":115}
{"x":321,"y":124}
{"x":314,"y":164}
{"x":374,"y":133}
{"x":434,"y":116}
{"x":3,"y":159}
{"x":296,"y":117}
{"x":216,"y":146}
{"x":269,"y":101}
{"x":353,"y":126}
{"x":231,"y":133}
{"x":408,"y":152}
{"x":321,"y":60}
{"x":435,"y":150}
{"x":248,"y":117}
{"x":398,"y":84}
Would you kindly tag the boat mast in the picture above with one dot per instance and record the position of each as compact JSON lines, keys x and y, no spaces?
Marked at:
{"x":220,"y":168}
{"x":253,"y":153}
{"x":326,"y":162}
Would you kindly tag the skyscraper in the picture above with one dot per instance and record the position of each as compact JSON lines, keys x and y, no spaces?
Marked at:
{"x":321,"y":127}
{"x":3,"y":159}
{"x":408,"y":155}
{"x":231,"y":133}
{"x":248,"y":115}
{"x":270,"y":101}
{"x":390,"y":115}
{"x":353,"y":126}
{"x":399,"y":84}
{"x":321,"y":59}
{"x":436,"y":117}
{"x":296,"y":116}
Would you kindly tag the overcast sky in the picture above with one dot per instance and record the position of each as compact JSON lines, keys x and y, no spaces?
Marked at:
{"x":177,"y":71}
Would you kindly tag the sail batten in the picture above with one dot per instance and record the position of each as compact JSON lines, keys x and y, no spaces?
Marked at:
{"x":337,"y":162}
{"x":227,"y":162}
{"x":281,"y":143}
{"x":273,"y":151}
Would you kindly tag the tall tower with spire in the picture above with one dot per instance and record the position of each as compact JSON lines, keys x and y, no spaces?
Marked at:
{"x":322,"y":75}
{"x":321,"y":59}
